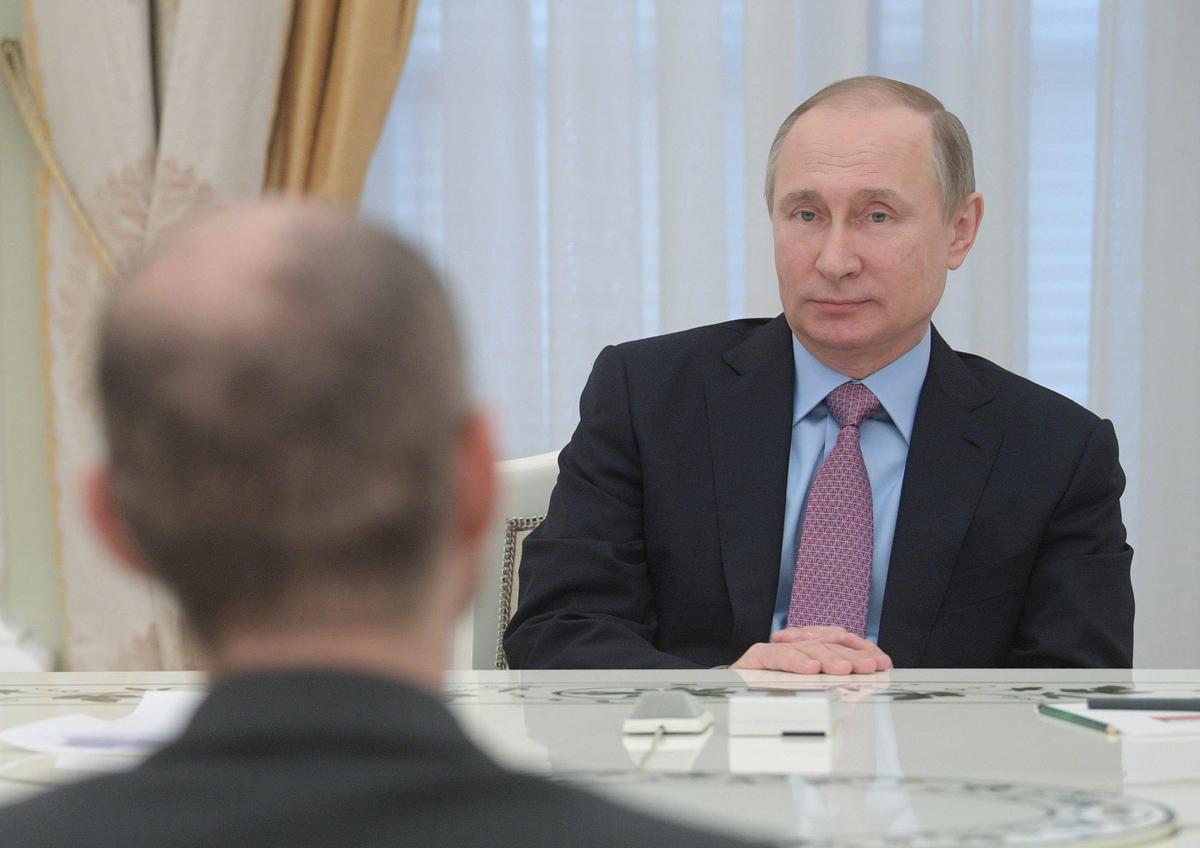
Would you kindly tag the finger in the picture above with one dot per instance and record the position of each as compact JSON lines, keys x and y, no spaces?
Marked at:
{"x":839,"y":659}
{"x":825,"y":633}
{"x":788,"y":658}
{"x":861,"y":661}
{"x":813,"y":655}
{"x":859,"y":643}
{"x":788,"y":634}
{"x":810,"y":631}
{"x":881,"y":660}
{"x":778,"y":657}
{"x":829,"y":655}
{"x":850,"y":640}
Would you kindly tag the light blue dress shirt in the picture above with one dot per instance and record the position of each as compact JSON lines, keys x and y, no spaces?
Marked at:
{"x":884,"y":437}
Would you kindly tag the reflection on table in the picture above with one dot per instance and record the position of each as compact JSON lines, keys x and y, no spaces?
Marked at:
{"x":924,"y":756}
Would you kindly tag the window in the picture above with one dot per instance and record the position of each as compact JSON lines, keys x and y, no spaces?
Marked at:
{"x":535,"y":150}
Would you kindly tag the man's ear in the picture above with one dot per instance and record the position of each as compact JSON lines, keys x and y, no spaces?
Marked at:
{"x":475,"y":495}
{"x":106,"y":519}
{"x":966,"y":227}
{"x":475,"y":492}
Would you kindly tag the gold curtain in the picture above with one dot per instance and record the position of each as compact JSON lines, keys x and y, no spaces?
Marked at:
{"x":343,"y":60}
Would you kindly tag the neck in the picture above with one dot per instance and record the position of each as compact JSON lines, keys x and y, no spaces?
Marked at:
{"x":414,"y":655}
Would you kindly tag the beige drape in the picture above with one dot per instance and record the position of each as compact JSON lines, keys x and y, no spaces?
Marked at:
{"x":343,"y":60}
{"x":155,"y":109}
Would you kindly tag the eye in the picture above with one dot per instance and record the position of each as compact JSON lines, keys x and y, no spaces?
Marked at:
{"x":807,"y":215}
{"x":878,"y":217}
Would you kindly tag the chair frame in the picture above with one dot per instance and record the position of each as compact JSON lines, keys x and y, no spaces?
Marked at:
{"x":508,"y":569}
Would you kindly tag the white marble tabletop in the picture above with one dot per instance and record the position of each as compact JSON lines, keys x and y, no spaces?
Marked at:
{"x":916,"y":757}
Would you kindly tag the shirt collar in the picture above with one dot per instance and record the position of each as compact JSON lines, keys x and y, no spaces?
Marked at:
{"x":897,"y":384}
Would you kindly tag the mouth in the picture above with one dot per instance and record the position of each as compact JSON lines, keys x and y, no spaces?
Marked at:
{"x":838,"y":307}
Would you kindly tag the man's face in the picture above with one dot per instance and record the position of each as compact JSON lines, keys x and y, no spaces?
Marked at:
{"x":862,"y":246}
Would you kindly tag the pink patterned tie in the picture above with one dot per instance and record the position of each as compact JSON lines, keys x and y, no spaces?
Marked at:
{"x":832,"y":583}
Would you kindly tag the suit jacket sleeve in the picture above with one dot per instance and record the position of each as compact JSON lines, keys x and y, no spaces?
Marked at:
{"x":1079,"y":606}
{"x":587,"y":600}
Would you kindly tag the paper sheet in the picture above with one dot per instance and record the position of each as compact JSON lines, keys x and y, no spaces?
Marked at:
{"x":155,"y":721}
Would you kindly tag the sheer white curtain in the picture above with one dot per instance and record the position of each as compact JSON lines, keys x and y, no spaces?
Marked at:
{"x":1146,"y":303}
{"x":592,"y":172}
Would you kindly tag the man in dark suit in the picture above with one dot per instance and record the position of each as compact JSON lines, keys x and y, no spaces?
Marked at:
{"x":834,"y":490}
{"x":293,"y":452}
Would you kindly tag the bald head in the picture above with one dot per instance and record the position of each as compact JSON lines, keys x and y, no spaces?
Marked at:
{"x":281,"y":387}
{"x":218,"y":273}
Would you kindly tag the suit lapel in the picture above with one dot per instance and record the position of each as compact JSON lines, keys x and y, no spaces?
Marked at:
{"x":749,"y":410}
{"x":949,"y":461}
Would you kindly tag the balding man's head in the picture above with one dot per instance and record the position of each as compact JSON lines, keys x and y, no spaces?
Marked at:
{"x":282,"y":390}
{"x":221,"y":267}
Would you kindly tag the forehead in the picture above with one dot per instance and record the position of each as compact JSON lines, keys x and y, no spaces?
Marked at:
{"x":887,"y":147}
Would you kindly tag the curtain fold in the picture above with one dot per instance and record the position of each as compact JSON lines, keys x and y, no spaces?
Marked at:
{"x":142,"y":146}
{"x":1151,"y":290}
{"x":683,"y":125}
{"x":343,"y":60}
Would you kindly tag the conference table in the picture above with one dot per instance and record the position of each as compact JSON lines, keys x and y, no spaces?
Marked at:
{"x":915,"y":757}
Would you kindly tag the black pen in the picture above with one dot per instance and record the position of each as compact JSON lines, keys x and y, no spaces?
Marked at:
{"x":1185,"y":705}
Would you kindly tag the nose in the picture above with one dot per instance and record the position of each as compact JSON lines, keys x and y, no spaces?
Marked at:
{"x":838,"y":257}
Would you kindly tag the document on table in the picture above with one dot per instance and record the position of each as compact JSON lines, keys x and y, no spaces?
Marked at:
{"x":157,"y":719}
{"x":1142,"y":723}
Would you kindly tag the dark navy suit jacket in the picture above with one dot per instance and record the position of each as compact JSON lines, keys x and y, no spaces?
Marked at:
{"x":662,"y":543}
{"x":325,"y":759}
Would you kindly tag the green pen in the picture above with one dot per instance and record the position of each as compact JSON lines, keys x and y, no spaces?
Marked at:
{"x":1082,"y":721}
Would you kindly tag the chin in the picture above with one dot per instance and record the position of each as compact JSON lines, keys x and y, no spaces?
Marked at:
{"x":839,"y":336}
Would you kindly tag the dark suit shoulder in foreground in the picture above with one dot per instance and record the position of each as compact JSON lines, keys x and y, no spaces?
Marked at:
{"x":326,"y":759}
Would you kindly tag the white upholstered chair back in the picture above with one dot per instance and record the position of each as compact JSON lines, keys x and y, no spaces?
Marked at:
{"x":525,"y":486}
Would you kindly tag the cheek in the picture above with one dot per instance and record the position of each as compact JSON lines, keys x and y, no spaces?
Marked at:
{"x":917,"y":280}
{"x":906,"y":267}
{"x":786,"y":261}
{"x":903,"y":255}
{"x":792,"y":255}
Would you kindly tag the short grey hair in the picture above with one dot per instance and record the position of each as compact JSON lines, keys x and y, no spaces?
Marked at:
{"x":953,"y":164}
{"x":303,"y":464}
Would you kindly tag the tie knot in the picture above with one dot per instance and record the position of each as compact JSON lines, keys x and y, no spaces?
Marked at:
{"x":851,"y":403}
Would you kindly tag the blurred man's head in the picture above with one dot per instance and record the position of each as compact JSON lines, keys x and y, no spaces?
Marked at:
{"x":291,"y":445}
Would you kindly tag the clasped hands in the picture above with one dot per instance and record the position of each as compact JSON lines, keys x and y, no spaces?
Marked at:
{"x":816,"y":649}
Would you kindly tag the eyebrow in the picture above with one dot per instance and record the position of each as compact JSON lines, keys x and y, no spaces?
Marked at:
{"x":878,"y":194}
{"x":808,"y":195}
